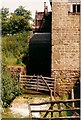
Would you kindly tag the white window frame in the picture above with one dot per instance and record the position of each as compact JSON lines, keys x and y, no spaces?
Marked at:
{"x":71,"y":7}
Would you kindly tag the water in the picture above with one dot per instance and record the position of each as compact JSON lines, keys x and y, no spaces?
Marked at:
{"x":19,"y":108}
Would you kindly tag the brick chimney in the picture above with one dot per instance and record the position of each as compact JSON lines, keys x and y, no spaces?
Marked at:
{"x":45,"y":8}
{"x":44,"y":5}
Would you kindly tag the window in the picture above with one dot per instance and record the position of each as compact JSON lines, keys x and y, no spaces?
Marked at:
{"x":76,"y":8}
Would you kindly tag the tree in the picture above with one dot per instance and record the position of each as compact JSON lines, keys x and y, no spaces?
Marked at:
{"x":18,"y":21}
{"x":4,"y":13}
{"x":22,"y":12}
{"x":18,"y":24}
{"x":4,"y":20}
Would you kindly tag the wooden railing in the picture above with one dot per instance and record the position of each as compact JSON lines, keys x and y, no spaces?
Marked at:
{"x":38,"y":83}
{"x":75,"y":111}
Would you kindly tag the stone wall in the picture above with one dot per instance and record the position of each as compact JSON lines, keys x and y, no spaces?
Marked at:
{"x":65,"y":45}
{"x":17,"y":70}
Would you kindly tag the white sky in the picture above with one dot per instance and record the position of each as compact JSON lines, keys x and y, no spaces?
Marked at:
{"x":31,"y":5}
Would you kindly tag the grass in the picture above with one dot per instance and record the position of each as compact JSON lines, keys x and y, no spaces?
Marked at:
{"x":11,"y":60}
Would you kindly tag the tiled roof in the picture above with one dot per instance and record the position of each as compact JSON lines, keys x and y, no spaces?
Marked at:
{"x":39,"y":15}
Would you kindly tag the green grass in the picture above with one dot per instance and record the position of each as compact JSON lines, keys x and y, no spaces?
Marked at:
{"x":11,"y":60}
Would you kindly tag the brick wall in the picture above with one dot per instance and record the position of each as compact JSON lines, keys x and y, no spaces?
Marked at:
{"x":65,"y":44}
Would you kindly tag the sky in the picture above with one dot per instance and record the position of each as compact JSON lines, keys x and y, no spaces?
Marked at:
{"x":31,"y":5}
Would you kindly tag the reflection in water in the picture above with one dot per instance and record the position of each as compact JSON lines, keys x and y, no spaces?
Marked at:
{"x":19,"y":108}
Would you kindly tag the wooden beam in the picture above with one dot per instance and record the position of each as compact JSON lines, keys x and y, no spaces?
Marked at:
{"x":57,"y":110}
{"x":58,"y":118}
{"x":72,"y":95}
{"x":57,"y":101}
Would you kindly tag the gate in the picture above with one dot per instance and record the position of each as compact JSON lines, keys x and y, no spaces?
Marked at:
{"x":74,"y":111}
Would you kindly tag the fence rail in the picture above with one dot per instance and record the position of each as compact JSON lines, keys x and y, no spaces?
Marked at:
{"x":38,"y":83}
{"x":59,"y":118}
{"x":75,"y":111}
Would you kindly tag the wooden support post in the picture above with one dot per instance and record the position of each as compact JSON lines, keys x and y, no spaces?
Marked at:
{"x":51,"y":103}
{"x":37,"y":82}
{"x":50,"y":95}
{"x":72,"y":95}
{"x":30,"y":113}
{"x":59,"y":107}
{"x":52,"y":109}
{"x":55,"y":86}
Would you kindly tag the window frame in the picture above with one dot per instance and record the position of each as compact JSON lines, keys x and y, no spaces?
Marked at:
{"x":76,"y":10}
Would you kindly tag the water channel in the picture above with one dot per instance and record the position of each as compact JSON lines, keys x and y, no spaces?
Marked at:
{"x":19,"y":108}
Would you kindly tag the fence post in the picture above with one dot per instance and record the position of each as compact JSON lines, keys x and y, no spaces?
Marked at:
{"x":30,"y":113}
{"x":51,"y":103}
{"x":59,"y":107}
{"x":37,"y":82}
{"x":50,"y":95}
{"x":55,"y":86}
{"x":72,"y":95}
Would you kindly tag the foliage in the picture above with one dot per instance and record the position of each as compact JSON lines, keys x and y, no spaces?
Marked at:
{"x":14,"y":48}
{"x":10,"y":87}
{"x":15,"y":32}
{"x":22,"y":12}
{"x":4,"y":13}
{"x":5,"y":19}
{"x":16,"y":22}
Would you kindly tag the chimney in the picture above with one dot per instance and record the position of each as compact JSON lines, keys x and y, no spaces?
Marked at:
{"x":45,"y":8}
{"x":44,"y":5}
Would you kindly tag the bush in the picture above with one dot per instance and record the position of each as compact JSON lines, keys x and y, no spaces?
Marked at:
{"x":10,"y":86}
{"x":14,"y":48}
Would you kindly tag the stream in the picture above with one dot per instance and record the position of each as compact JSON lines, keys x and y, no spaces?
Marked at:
{"x":19,"y":108}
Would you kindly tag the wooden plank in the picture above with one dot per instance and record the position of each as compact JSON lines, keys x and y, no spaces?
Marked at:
{"x":36,"y":89}
{"x":35,"y":79}
{"x":30,"y":76}
{"x":57,"y":110}
{"x":40,"y":83}
{"x":57,"y":101}
{"x":58,"y":118}
{"x":45,"y":83}
{"x":35,"y":85}
{"x":48,"y":78}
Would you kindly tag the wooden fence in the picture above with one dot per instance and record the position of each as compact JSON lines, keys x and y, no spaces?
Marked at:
{"x":38,"y":83}
{"x":75,"y":111}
